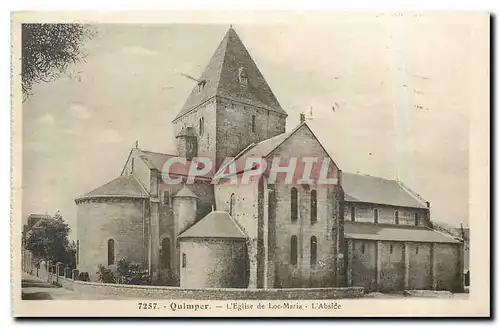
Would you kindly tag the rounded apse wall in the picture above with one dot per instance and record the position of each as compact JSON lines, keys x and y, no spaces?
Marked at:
{"x":213,"y":263}
{"x":100,"y":220}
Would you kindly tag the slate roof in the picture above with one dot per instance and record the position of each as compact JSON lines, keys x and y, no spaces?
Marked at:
{"x":154,"y":160}
{"x":123,"y":186}
{"x":217,"y":224}
{"x":371,"y":189}
{"x":378,"y":232}
{"x":221,"y":78}
{"x":186,"y":193}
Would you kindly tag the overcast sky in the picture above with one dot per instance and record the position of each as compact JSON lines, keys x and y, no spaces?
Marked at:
{"x":403,"y":87}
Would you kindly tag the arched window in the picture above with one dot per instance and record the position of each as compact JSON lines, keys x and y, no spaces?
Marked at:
{"x":396,"y":217}
{"x":314,"y":250}
{"x":375,"y":215}
{"x":166,"y":199}
{"x":111,"y":252}
{"x":165,"y":253}
{"x":314,"y":206}
{"x":201,"y":127}
{"x":293,"y":250}
{"x":232,"y":202}
{"x":293,"y":204}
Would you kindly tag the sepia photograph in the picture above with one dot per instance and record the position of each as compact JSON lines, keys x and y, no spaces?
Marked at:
{"x":260,"y":165}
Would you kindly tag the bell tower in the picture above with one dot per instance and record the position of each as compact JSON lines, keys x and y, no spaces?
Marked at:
{"x":231,"y":105}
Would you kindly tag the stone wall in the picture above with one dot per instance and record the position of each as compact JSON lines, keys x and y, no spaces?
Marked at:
{"x":99,"y":220}
{"x":326,"y":228}
{"x":245,"y":213}
{"x":206,"y":141}
{"x":167,"y":225}
{"x":392,"y":266}
{"x":165,"y":292}
{"x":216,"y":263}
{"x":234,"y":126}
{"x":365,"y":212}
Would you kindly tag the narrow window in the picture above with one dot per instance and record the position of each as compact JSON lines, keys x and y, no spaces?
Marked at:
{"x":166,"y":198}
{"x":416,"y":218}
{"x":390,"y":248}
{"x":363,"y":248}
{"x":314,"y":250}
{"x":201,"y":126}
{"x":314,"y":206}
{"x":242,"y":76}
{"x":111,"y":252}
{"x":253,"y":123}
{"x":375,"y":215}
{"x":165,"y":253}
{"x":353,"y":213}
{"x":77,"y":251}
{"x":293,"y":204}
{"x":184,"y":260}
{"x":232,"y":202}
{"x":293,"y":250}
{"x":396,"y":217}
{"x":416,"y":249}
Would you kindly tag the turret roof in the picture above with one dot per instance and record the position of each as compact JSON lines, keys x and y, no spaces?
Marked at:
{"x":217,"y":224}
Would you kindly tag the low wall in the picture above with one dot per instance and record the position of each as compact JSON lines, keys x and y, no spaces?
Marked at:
{"x":165,"y":292}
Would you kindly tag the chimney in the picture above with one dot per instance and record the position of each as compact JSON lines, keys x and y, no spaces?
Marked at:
{"x":302,"y":118}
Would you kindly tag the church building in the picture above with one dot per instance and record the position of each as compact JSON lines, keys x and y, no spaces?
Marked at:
{"x":204,"y":232}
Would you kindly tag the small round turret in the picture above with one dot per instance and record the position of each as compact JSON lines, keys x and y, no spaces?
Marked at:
{"x":187,"y":143}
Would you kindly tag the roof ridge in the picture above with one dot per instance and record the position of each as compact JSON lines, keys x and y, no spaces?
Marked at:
{"x":373,"y":176}
{"x":165,"y":154}
{"x":217,"y":83}
{"x":412,"y":192}
{"x":140,"y":183}
{"x":240,"y":228}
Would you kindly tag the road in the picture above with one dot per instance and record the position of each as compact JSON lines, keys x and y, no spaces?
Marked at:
{"x":34,"y":288}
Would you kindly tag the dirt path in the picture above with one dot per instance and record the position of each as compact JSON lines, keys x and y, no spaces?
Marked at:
{"x":33,"y":288}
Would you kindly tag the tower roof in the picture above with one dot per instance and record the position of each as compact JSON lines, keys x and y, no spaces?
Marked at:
{"x":222,"y":78}
{"x":186,"y":193}
{"x":217,"y":224}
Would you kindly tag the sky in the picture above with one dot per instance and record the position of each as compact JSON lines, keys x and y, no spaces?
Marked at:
{"x":403,"y":88}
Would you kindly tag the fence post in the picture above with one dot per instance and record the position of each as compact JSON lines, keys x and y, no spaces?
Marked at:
{"x":49,"y":271}
{"x":58,"y":271}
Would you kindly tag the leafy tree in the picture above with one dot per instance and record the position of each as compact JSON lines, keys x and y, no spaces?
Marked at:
{"x":48,"y":240}
{"x":49,"y":49}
